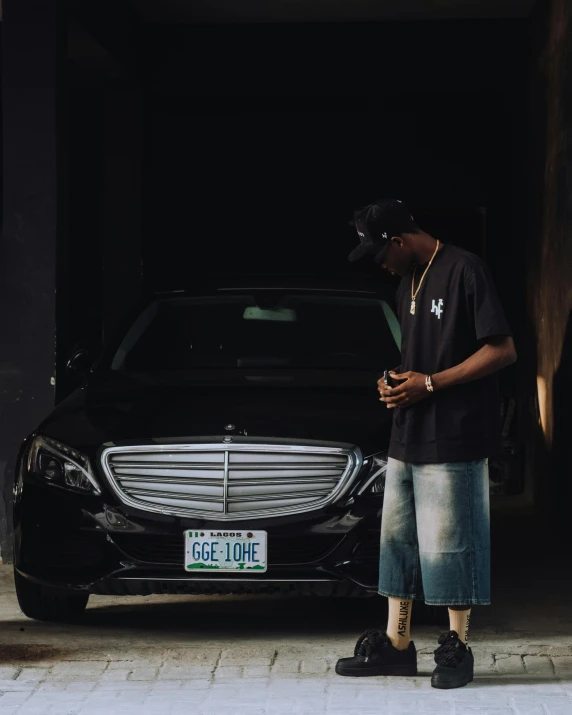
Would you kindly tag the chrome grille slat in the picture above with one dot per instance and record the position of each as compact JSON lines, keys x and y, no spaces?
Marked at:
{"x":155,"y":455}
{"x":312,"y":466}
{"x":152,"y":472}
{"x":239,"y":458}
{"x":296,"y":480}
{"x":286,"y":473}
{"x":211,"y":495}
{"x":277,"y":489}
{"x":274,"y":497}
{"x":230,"y":481}
{"x":174,"y":465}
{"x":170,"y":480}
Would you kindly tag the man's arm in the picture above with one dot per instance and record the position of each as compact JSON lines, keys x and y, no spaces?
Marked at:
{"x":496,"y":353}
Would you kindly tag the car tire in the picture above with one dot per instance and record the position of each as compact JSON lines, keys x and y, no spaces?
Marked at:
{"x":44,"y":603}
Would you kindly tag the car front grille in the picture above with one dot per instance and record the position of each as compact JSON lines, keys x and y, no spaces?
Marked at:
{"x":160,"y":549}
{"x":229,"y":482}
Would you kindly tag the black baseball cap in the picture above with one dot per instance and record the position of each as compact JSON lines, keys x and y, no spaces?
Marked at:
{"x":376,"y":224}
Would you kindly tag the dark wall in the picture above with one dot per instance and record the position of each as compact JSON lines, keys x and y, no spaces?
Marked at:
{"x":100,"y":271}
{"x":261,"y":141}
{"x":550,"y":250}
{"x":33,"y":187}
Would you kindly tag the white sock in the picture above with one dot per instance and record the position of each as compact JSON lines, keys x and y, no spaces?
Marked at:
{"x":398,"y":622}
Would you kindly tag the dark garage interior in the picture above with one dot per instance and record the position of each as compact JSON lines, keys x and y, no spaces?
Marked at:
{"x":148,"y":145}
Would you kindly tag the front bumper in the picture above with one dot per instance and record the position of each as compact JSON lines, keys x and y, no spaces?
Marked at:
{"x":90,"y":543}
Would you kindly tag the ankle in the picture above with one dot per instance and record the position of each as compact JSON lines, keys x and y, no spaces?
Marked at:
{"x":400,"y":643}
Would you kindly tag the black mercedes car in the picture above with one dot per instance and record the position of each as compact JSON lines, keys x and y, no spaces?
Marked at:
{"x":230,"y":440}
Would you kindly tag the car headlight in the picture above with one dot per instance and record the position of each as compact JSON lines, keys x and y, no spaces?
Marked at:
{"x":374,"y":481}
{"x":61,"y":465}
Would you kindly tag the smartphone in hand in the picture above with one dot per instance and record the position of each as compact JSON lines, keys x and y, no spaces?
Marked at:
{"x":388,"y":379}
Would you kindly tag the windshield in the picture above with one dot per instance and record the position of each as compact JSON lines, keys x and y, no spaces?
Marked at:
{"x":265,"y":331}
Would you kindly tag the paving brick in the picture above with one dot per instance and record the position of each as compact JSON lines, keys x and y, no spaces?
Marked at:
{"x":78,"y":669}
{"x":425,"y":662}
{"x":563,"y":666}
{"x":183,"y":672}
{"x":529,"y":709}
{"x":521,"y":701}
{"x":178,"y":695}
{"x":509,"y":665}
{"x":199,"y":656}
{"x":164,"y":685}
{"x":115,"y":676}
{"x":121,"y":665}
{"x":32,"y":675}
{"x":484,"y":660}
{"x":9,"y":673}
{"x":286,"y":667}
{"x":28,"y":709}
{"x":313,"y":666}
{"x":16,"y":697}
{"x":8,"y":685}
{"x":405,"y":708}
{"x":256,"y":671}
{"x":49,"y":687}
{"x":228,"y":671}
{"x":441,"y":706}
{"x":81,"y":686}
{"x":538,"y":665}
{"x":129,"y":686}
{"x":560,"y":709}
{"x":144,"y":674}
{"x":253,"y":655}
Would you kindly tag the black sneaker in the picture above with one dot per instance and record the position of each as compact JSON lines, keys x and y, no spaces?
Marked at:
{"x":375,"y":655}
{"x":455,"y":662}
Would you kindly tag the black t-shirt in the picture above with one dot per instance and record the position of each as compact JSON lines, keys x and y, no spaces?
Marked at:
{"x":456,"y":309}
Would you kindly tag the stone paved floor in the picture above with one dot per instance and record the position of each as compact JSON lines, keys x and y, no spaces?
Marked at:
{"x":251,"y":655}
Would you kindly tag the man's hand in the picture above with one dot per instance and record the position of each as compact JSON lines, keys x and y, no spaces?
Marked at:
{"x":497,"y":352}
{"x":411,"y":390}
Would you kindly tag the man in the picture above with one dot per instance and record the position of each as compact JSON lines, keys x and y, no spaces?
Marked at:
{"x":435,"y":530}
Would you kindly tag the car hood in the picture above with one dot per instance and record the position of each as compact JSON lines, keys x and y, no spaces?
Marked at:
{"x":328,"y":406}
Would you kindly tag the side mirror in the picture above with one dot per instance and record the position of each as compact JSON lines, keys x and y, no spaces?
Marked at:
{"x":79,"y":362}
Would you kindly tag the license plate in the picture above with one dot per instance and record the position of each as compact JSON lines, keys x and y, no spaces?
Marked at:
{"x":225,"y":551}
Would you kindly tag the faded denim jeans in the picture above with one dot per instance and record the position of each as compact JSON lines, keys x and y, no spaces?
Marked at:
{"x":435,"y":533}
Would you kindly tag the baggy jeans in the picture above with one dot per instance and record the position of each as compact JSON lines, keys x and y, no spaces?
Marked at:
{"x":435,"y":533}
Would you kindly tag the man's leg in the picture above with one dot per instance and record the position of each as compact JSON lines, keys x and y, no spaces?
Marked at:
{"x":460,"y":620}
{"x":399,"y":622}
{"x":392,"y":652}
{"x":399,"y":571}
{"x":399,"y":552}
{"x":453,"y":524}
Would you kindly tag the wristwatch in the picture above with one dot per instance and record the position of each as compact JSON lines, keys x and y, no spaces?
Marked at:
{"x":428,"y":383}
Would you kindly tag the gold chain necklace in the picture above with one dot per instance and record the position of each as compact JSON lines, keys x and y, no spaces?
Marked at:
{"x":414,"y":294}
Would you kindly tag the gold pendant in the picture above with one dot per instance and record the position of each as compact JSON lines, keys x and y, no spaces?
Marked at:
{"x":412,"y":307}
